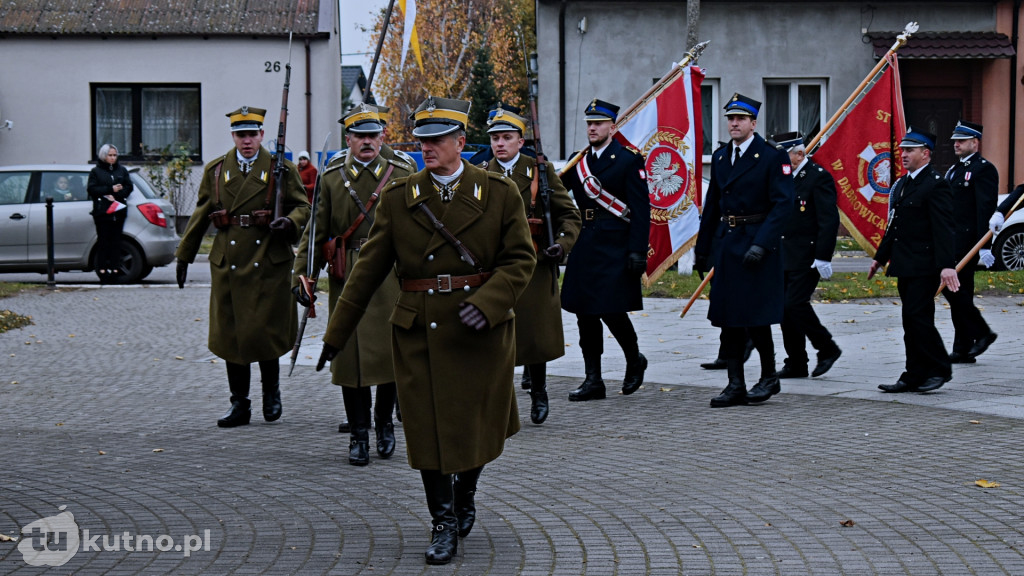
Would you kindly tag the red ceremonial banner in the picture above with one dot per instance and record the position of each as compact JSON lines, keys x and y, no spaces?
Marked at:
{"x":863,"y":157}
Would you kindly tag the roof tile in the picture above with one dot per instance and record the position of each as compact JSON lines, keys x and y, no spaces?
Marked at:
{"x":946,"y":45}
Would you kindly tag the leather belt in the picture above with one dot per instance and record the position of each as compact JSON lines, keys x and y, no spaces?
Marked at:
{"x":359,"y":244}
{"x":590,"y":214}
{"x":732,"y":221}
{"x":244,"y":221}
{"x":445,"y":283}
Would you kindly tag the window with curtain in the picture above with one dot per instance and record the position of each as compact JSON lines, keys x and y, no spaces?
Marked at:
{"x":793,"y":105}
{"x":145,"y":121}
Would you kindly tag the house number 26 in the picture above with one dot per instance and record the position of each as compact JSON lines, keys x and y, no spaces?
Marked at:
{"x":272,"y":66}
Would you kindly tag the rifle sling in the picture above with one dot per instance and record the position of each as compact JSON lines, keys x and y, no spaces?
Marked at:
{"x":451,"y":239}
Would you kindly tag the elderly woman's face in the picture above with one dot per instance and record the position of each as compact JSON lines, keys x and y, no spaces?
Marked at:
{"x":112,"y":156}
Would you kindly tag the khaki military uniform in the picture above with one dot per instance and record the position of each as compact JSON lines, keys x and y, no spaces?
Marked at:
{"x":455,"y":384}
{"x":366,"y":359}
{"x":252,"y":311}
{"x":539,"y":336}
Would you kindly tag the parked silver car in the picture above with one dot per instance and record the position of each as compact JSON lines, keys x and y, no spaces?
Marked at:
{"x":1008,"y":245}
{"x":149,"y":238}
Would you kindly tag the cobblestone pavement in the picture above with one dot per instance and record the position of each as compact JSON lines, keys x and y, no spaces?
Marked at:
{"x":108,"y":407}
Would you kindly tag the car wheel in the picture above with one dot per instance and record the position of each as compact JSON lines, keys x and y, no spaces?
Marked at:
{"x":1009,"y":248}
{"x":132,"y":263}
{"x":146,"y":271}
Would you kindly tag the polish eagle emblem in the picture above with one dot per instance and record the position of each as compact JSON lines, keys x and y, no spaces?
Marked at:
{"x":663,"y":179}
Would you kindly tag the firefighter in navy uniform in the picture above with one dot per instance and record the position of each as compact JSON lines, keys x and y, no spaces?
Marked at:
{"x":602,"y":277}
{"x":975,"y":183}
{"x":808,"y":241}
{"x":539,"y":337}
{"x":252,"y":314}
{"x":749,"y":200}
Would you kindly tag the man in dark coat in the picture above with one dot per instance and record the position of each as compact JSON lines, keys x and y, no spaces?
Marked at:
{"x":918,"y":247}
{"x":252,"y":313}
{"x":457,"y":238}
{"x":975,"y":184}
{"x":539,"y":337}
{"x":808,"y":241}
{"x":602,"y":276}
{"x":748,"y":202}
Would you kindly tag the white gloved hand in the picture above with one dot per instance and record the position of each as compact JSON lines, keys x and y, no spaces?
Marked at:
{"x":824,"y":268}
{"x":986,"y":257}
{"x":995,"y":223}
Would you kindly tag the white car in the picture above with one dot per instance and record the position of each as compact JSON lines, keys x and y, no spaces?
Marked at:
{"x":1008,"y":245}
{"x":148,"y":240}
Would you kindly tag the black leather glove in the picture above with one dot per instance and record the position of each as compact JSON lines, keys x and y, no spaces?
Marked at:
{"x":636,"y":263}
{"x":471,"y":316}
{"x":752,"y":259}
{"x":301,"y":297}
{"x":283,"y":225}
{"x":701,"y":264}
{"x":326,"y":355}
{"x":553,"y":254}
{"x":181,"y":273}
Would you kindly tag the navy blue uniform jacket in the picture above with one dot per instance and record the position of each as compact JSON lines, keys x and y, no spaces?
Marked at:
{"x":810,"y":233}
{"x":918,"y":239}
{"x":975,"y":185}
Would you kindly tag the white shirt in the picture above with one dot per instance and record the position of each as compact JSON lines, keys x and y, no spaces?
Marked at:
{"x":597,"y":151}
{"x":442,"y":180}
{"x":511,"y":164}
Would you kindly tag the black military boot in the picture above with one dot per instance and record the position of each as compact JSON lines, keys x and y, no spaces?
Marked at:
{"x":359,"y":447}
{"x":383,"y":425}
{"x":465,"y":502}
{"x":765,"y":388}
{"x":527,"y":381}
{"x":444,"y":536}
{"x":538,"y":392}
{"x":592,"y":387}
{"x":270,"y":375}
{"x":634,"y":374}
{"x":735,"y":392}
{"x":240,"y":412}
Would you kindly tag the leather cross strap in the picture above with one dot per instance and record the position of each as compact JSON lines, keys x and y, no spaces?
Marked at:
{"x":364,"y":210}
{"x":593,"y":189}
{"x":448,"y":236}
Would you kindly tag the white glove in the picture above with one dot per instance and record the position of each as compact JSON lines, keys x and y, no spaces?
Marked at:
{"x":824,"y":268}
{"x":995,"y":223}
{"x":987,"y":259}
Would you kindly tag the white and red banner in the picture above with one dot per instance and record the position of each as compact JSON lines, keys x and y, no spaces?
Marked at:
{"x":667,"y":131}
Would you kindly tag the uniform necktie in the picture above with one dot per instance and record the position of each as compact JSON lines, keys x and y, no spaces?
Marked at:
{"x":245,"y":166}
{"x":508,"y":172}
{"x":446,"y":191}
{"x":736,"y":157}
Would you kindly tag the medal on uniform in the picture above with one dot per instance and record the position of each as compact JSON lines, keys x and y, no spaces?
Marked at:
{"x":967,"y":177}
{"x":803,"y":205}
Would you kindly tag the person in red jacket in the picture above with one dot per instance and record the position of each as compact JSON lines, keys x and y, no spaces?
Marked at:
{"x":308,"y":174}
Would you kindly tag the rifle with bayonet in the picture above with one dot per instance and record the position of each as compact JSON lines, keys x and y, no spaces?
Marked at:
{"x":544,"y":193}
{"x":279,"y":161}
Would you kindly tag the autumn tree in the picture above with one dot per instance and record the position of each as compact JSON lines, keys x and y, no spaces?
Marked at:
{"x":451,"y":34}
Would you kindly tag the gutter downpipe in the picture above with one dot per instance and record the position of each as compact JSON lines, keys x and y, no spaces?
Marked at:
{"x":1013,"y":95}
{"x":309,"y":100}
{"x":561,"y":79}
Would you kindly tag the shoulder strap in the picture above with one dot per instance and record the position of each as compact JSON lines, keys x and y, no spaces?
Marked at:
{"x":216,"y":185}
{"x":450,"y":238}
{"x":364,"y":211}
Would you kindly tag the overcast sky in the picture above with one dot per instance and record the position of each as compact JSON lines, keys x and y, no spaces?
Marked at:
{"x":355,"y":14}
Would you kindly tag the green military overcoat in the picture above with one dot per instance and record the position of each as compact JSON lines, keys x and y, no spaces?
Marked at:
{"x":252,"y":310}
{"x":455,"y":384}
{"x":539,"y":336}
{"x":366,"y":360}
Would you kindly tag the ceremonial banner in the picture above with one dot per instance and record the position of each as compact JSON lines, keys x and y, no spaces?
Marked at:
{"x":667,"y":131}
{"x":862,"y":154}
{"x":409,"y":35}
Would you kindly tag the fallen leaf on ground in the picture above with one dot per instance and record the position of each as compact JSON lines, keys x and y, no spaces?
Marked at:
{"x":975,"y":421}
{"x":158,"y":450}
{"x":987,"y":483}
{"x":6,"y":538}
{"x":102,"y":453}
{"x":847,"y":523}
{"x":665,"y":389}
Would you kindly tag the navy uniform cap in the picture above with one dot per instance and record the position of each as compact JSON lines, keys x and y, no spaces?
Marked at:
{"x":247,"y":118}
{"x":917,"y":139}
{"x":788,"y":140}
{"x":599,"y":111}
{"x":740,"y":105}
{"x":438,"y":116}
{"x":966,"y":131}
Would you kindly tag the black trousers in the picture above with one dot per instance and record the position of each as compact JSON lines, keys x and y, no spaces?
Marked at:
{"x":926,"y":354}
{"x":592,"y":333}
{"x":968,"y":325}
{"x":799,"y":322}
{"x":734,"y":345}
{"x":108,"y":240}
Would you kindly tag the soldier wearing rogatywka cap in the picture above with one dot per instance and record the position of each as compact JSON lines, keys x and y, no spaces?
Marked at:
{"x":350,"y":186}
{"x":602,"y":276}
{"x":918,"y":246}
{"x":252,"y":316}
{"x":808,"y":241}
{"x":458,"y":240}
{"x":747,"y":205}
{"x":539,"y":337}
{"x":975,"y":184}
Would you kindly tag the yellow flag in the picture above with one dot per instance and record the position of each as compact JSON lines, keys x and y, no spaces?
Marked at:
{"x":409,"y":36}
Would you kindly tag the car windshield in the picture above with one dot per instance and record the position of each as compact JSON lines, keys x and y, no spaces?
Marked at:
{"x":143,"y":186}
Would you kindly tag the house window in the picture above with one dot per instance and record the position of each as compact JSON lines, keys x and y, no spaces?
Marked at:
{"x":793,"y":105}
{"x":709,"y":121}
{"x":145,"y":121}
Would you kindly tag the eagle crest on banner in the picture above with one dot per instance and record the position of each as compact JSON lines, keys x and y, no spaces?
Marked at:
{"x":670,"y":179}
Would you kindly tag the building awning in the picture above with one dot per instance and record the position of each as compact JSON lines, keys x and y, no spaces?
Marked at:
{"x":946,"y":45}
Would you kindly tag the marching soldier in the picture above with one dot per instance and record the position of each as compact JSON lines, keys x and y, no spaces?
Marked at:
{"x":457,"y":238}
{"x":539,"y":337}
{"x":975,"y":183}
{"x":918,"y":247}
{"x":252,"y":316}
{"x":602,"y":278}
{"x":350,"y":188}
{"x":749,"y":199}
{"x":808,"y":241}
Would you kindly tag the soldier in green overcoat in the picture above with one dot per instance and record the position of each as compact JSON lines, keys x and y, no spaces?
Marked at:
{"x":252,"y":314}
{"x":350,"y":185}
{"x":539,"y":337}
{"x":452,"y":326}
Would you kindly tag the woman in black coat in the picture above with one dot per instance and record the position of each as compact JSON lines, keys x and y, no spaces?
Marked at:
{"x":109,"y":187}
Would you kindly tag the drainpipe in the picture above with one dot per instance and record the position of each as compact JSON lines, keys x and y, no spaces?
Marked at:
{"x":561,"y":79}
{"x":309,"y":102}
{"x":1013,"y":95}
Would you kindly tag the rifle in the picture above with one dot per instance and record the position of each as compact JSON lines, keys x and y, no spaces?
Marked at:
{"x":279,"y":166}
{"x":542,"y":169}
{"x":308,"y":282}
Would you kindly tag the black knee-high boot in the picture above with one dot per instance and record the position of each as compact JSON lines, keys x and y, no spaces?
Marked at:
{"x":357,"y":408}
{"x":538,"y":392}
{"x":465,"y":493}
{"x":592,"y":387}
{"x":238,"y":381}
{"x":769,"y":384}
{"x":444,"y":539}
{"x":383,"y":426}
{"x":270,"y":377}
